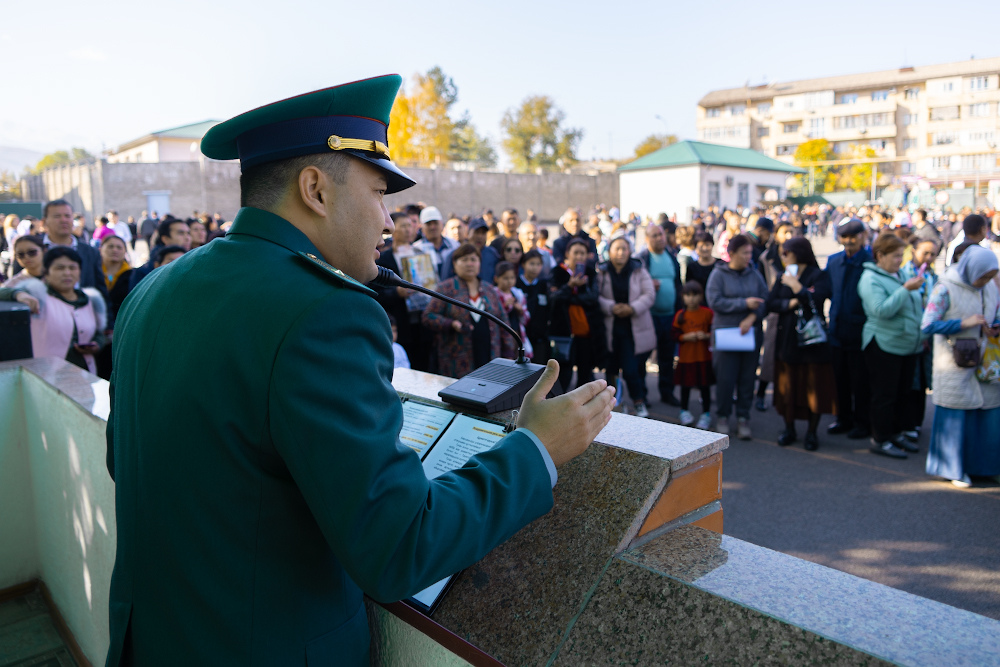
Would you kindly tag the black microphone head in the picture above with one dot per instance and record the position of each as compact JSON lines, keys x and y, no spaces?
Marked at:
{"x":387,"y":278}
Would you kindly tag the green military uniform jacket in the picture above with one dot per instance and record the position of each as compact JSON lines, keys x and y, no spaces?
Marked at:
{"x":260,"y":484}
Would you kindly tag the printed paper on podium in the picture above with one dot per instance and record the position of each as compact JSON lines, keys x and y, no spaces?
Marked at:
{"x":422,"y":426}
{"x":466,"y":437}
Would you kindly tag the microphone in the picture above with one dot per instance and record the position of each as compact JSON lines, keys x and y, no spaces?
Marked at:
{"x":388,"y":278}
{"x":499,"y":385}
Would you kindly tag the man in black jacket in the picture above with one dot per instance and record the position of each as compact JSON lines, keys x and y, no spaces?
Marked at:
{"x":571,"y":223}
{"x":58,"y":216}
{"x":536,"y":293}
{"x":847,"y":320}
{"x":171,"y":232}
{"x":395,"y":299}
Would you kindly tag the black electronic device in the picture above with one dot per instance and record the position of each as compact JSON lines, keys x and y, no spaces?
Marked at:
{"x":15,"y":331}
{"x":499,"y":385}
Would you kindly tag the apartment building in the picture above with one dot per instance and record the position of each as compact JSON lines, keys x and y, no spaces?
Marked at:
{"x":940,"y":120}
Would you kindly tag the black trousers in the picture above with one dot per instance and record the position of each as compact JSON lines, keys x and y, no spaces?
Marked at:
{"x":891,"y":382}
{"x":540,"y":347}
{"x":581,"y":355}
{"x":666,"y":348}
{"x":850,"y":368}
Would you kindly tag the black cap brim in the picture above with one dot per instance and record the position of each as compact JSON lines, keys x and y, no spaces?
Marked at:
{"x":395,"y":179}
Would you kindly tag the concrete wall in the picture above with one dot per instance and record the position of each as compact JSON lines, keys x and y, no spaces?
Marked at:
{"x":53,"y":475}
{"x":212,"y":186}
{"x":469,"y":192}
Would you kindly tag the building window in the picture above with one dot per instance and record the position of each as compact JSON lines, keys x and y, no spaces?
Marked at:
{"x":909,"y":143}
{"x":978,"y":83}
{"x":743,"y":194}
{"x":909,"y":167}
{"x":787,"y":150}
{"x":712,"y":113}
{"x":970,"y":162}
{"x":979,"y":110}
{"x":945,"y":113}
{"x":817,"y":127}
{"x":948,"y":87}
{"x":713,"y":193}
{"x":909,"y":119}
{"x":941,"y":162}
{"x":911,"y":93}
{"x":763,"y":131}
{"x":737,"y":109}
{"x":880,"y":95}
{"x":848,"y":98}
{"x":764,"y":108}
{"x":862,"y":120}
{"x":978,"y":137}
{"x":943,"y":138}
{"x":790,"y":128}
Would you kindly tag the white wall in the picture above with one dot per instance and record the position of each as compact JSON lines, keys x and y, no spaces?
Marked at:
{"x":58,"y":502}
{"x":650,"y":192}
{"x":147,"y":152}
{"x":19,"y":560}
{"x":179,"y":150}
{"x":728,"y":194}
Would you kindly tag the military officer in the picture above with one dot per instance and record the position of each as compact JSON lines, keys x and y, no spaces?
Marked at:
{"x":251,"y":523}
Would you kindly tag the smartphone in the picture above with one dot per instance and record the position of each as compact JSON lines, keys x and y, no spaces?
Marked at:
{"x":792,"y":270}
{"x":580,"y":269}
{"x":922,"y":270}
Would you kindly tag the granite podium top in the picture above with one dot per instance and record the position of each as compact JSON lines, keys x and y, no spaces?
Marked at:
{"x":680,"y":445}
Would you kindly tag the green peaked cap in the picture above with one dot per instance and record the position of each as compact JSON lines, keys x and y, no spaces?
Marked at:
{"x":351,"y":118}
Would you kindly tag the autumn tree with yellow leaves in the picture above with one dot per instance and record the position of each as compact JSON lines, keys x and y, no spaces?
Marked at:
{"x":422,"y":131}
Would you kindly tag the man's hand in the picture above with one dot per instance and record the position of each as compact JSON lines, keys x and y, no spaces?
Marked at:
{"x":656,"y":284}
{"x":747,"y":323}
{"x":754,"y":302}
{"x":567,"y":424}
{"x":914,"y":283}
{"x":403,"y":292}
{"x":28,"y":300}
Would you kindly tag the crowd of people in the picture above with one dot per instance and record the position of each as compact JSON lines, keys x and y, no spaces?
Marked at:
{"x":74,"y":319}
{"x":735,"y":299}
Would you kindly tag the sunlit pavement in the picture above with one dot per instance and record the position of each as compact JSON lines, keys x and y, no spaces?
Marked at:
{"x":841,"y":506}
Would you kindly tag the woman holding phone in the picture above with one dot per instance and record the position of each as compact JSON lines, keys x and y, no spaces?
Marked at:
{"x":804,"y":386}
{"x":577,"y":327}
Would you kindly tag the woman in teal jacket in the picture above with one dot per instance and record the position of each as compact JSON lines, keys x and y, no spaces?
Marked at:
{"x":891,"y":341}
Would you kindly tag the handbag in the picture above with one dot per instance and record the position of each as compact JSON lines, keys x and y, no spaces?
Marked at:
{"x":965,"y":351}
{"x":812,"y":330}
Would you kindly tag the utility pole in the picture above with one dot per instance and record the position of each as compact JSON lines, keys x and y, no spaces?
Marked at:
{"x":874,"y":179}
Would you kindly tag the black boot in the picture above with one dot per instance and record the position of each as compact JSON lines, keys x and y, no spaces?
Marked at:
{"x":788,"y":436}
{"x":811,"y":442}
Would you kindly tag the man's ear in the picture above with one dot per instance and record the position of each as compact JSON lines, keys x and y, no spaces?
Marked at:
{"x":314,"y":189}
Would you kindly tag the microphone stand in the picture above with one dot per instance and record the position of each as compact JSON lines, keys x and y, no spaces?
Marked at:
{"x":388,"y":278}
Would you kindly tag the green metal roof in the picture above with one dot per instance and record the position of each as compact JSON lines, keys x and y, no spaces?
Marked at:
{"x":192,"y":131}
{"x":697,"y":152}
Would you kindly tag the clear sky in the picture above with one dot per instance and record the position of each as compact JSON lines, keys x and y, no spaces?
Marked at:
{"x":97,"y":74}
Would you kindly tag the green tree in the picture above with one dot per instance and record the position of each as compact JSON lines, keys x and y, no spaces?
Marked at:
{"x":534,"y":136}
{"x":10,"y":186}
{"x":468,"y":146}
{"x":61,"y":157}
{"x":422,"y":131}
{"x":654,"y":142}
{"x":824,"y":178}
{"x":858,"y":177}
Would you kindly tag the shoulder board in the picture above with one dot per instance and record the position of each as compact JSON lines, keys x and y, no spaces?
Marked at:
{"x":334,"y":273}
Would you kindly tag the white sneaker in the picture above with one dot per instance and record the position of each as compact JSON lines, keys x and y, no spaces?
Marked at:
{"x":686,"y":418}
{"x":641,"y":411}
{"x":963,"y":483}
{"x":705,"y":420}
{"x":743,"y":429}
{"x":722,"y":426}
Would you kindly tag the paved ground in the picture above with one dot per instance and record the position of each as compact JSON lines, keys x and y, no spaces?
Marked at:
{"x":874,"y":517}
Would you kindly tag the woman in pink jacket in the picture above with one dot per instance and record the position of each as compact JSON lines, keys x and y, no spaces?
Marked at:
{"x":66,"y":322}
{"x":626,"y":295}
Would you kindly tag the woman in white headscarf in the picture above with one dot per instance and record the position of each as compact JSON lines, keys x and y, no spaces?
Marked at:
{"x":965,"y":304}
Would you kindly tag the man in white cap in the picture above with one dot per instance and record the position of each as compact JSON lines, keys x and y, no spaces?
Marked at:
{"x":433,"y":242}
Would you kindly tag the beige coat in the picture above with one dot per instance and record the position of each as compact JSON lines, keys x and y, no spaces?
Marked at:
{"x":641,"y":296}
{"x":955,"y":387}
